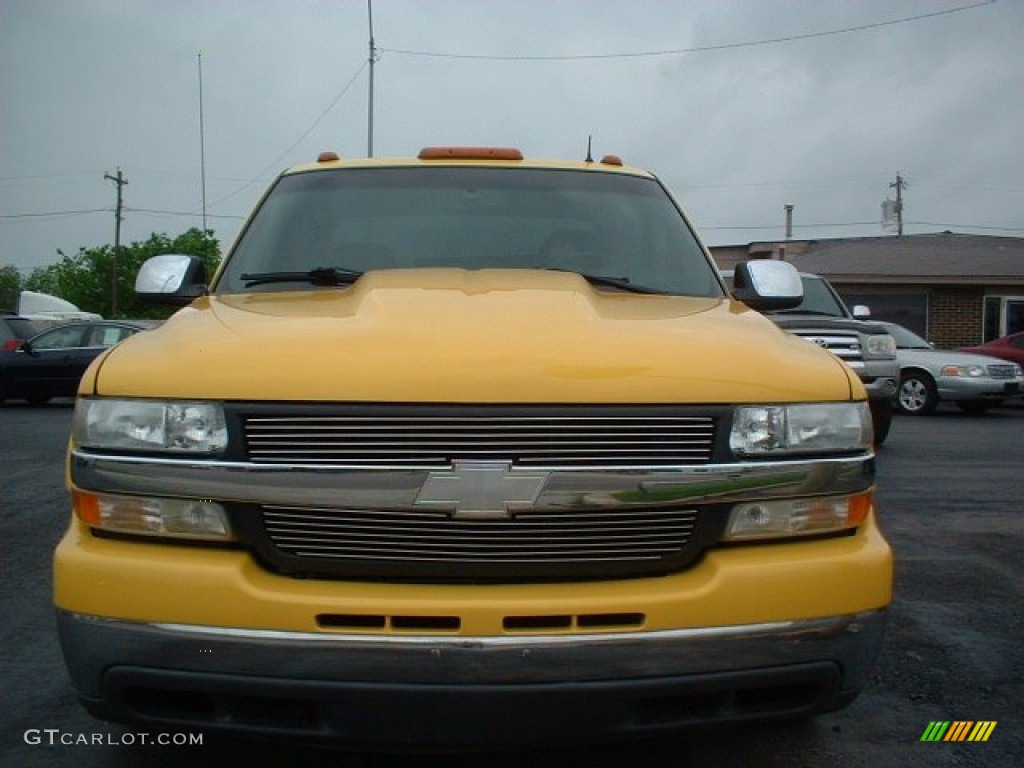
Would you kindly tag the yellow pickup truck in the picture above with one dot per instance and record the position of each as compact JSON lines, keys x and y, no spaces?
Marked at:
{"x":466,"y":451}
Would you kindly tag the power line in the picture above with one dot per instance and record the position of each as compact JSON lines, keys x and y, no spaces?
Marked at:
{"x":774,"y":225}
{"x":161,"y":212}
{"x":43,"y":214}
{"x":274,"y":163}
{"x":260,"y":176}
{"x":822,"y":225}
{"x":696,"y":49}
{"x":824,"y":180}
{"x":37,"y":176}
{"x":795,"y":226}
{"x":965,"y":226}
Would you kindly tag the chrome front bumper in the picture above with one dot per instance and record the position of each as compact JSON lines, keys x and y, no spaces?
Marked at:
{"x":465,"y":692}
{"x":963,"y":388}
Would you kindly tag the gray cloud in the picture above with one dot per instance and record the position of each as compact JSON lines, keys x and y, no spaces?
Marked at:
{"x":823,"y":123}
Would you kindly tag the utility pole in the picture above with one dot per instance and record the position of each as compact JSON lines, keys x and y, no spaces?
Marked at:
{"x":899,"y":186}
{"x":202,"y":143}
{"x":373,"y":60}
{"x":120,"y":181}
{"x":789,"y":221}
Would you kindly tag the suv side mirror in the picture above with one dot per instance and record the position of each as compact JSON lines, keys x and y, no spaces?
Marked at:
{"x":172,"y":278}
{"x":767,"y":285}
{"x":861,"y":312}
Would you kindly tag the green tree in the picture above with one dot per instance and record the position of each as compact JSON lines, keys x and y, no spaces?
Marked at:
{"x":10,"y":287}
{"x":85,"y":278}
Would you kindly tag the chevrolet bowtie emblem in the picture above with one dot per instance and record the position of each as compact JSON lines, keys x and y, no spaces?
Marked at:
{"x":481,"y":490}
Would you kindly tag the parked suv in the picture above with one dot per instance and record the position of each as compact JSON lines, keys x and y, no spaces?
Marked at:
{"x":824,"y":319}
{"x":469,"y":451}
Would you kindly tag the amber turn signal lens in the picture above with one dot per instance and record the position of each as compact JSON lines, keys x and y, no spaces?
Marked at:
{"x":86,"y":506}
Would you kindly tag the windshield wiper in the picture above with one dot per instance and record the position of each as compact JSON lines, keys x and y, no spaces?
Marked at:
{"x":621,"y":283}
{"x":318,"y":276}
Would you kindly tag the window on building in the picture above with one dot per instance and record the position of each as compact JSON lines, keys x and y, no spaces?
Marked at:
{"x":908,"y":309}
{"x":1003,"y":315}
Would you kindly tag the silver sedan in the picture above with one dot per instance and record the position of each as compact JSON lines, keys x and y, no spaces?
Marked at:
{"x":929,"y":375}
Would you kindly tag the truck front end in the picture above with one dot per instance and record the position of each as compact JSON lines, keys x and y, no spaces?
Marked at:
{"x":469,"y":452}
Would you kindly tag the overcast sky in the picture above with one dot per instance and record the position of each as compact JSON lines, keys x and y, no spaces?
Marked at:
{"x":740,"y":106}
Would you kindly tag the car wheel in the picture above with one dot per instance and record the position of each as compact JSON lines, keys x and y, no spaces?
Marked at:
{"x":918,"y":395}
{"x":881,"y":419}
{"x":976,"y":406}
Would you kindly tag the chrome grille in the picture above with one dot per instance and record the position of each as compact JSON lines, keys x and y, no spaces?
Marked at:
{"x":1002,"y":371}
{"x":419,"y":439}
{"x":434,"y":537}
{"x":844,"y":346}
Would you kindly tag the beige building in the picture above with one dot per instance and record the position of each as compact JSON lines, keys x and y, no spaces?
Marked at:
{"x":953,"y":289}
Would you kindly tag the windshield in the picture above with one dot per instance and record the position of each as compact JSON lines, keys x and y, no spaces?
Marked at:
{"x":906,"y":339}
{"x":819,"y":299}
{"x":612,"y":226}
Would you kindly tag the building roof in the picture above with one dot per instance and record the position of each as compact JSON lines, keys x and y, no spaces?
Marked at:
{"x":944,"y":257}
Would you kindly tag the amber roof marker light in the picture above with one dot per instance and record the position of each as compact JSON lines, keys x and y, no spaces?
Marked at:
{"x":470,"y":153}
{"x":327,"y":157}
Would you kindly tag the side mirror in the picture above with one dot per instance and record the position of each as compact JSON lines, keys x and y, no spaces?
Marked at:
{"x":861,"y":312}
{"x":172,"y":278}
{"x":767,"y":285}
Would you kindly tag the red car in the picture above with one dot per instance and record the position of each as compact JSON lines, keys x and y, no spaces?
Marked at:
{"x":1007,"y":347}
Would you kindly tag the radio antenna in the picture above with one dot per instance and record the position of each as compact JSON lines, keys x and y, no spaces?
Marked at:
{"x":372,"y":61}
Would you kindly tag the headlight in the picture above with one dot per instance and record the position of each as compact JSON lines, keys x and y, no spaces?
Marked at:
{"x":766,"y":430}
{"x":150,"y":425}
{"x":969,"y":371}
{"x":880,"y":345}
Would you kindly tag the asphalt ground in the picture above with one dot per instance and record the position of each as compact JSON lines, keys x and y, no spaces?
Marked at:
{"x":951,"y":498}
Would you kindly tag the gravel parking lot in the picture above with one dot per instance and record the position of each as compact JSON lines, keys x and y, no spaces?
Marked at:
{"x":951,"y":490}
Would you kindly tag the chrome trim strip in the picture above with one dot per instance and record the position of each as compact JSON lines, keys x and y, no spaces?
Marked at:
{"x":828,"y":625}
{"x":398,"y":488}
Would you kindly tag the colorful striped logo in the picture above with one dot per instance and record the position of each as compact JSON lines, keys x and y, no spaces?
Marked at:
{"x":958,"y":730}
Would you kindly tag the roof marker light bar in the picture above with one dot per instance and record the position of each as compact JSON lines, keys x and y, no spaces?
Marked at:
{"x":470,"y":153}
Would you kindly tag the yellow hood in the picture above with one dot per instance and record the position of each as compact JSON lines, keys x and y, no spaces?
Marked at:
{"x":449,"y":335}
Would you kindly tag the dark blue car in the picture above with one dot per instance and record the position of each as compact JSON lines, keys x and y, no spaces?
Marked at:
{"x":51,"y":363}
